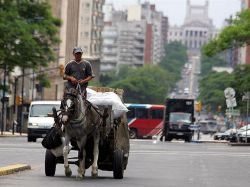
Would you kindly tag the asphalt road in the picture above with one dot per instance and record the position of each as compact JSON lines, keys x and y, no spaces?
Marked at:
{"x":151,"y":163}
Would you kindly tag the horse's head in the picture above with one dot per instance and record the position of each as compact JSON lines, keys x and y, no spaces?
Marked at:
{"x":70,"y":104}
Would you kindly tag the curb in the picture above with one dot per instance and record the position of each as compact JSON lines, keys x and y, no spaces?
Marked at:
{"x":12,"y":135}
{"x":13,"y":169}
{"x":208,"y":141}
{"x":239,"y":144}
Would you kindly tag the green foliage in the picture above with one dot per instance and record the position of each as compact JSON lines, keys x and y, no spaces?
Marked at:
{"x":147,"y":85}
{"x":213,"y":85}
{"x":241,"y":84}
{"x":236,"y":34}
{"x":208,"y":62}
{"x":176,"y":57}
{"x":28,"y":31}
{"x":44,"y":80}
{"x":212,"y":89}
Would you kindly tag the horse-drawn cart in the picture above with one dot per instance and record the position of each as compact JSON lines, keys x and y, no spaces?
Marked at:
{"x":113,"y":144}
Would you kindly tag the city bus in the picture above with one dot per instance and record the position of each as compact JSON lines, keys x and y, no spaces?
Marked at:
{"x":144,"y":120}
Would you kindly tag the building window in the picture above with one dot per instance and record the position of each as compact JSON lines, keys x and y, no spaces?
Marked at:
{"x":87,"y":20}
{"x":85,"y":49}
{"x":86,"y":34}
{"x":195,"y":33}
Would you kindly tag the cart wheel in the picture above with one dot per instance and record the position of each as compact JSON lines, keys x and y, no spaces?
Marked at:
{"x":31,"y":139}
{"x":118,"y":164}
{"x":50,"y":163}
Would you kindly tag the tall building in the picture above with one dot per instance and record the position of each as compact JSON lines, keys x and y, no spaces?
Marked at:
{"x":135,"y":37}
{"x":123,"y":41}
{"x":82,"y":24}
{"x":196,"y":30}
{"x":156,"y":25}
{"x":245,"y":51}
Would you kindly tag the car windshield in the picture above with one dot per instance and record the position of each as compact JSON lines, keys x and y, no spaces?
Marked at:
{"x":247,"y":127}
{"x":42,"y":110}
{"x":180,"y":117}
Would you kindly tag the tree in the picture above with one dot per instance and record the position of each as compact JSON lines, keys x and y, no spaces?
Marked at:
{"x":212,"y":89}
{"x":208,"y":62}
{"x":148,"y":84}
{"x":175,"y":58}
{"x":28,"y":33}
{"x":241,"y":84}
{"x":236,"y":34}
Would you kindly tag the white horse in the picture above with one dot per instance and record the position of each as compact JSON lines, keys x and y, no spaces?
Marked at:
{"x":81,"y":119}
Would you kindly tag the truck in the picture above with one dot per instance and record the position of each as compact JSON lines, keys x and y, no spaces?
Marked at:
{"x":178,"y":117}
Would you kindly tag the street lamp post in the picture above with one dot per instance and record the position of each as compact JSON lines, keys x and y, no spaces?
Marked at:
{"x":247,"y":98}
{"x":3,"y":99}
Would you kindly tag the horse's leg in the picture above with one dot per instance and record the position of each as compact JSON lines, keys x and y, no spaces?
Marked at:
{"x":68,"y":171}
{"x":94,"y":172}
{"x":81,"y":157}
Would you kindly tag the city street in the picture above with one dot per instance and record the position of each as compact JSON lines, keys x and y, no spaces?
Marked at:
{"x":151,"y":163}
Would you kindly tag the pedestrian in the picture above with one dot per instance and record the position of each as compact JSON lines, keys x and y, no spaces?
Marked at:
{"x":78,"y":71}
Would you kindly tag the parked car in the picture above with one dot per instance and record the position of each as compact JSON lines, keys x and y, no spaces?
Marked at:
{"x":242,"y":136}
{"x":223,"y":135}
{"x":234,"y":136}
{"x":208,"y":126}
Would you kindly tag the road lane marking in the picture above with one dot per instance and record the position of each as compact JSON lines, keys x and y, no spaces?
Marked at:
{"x":186,"y":153}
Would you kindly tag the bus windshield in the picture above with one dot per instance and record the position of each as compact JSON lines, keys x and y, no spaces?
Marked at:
{"x":180,"y":117}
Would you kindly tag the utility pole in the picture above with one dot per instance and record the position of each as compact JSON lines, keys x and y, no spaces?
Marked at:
{"x":3,"y":99}
{"x":247,"y":98}
{"x":21,"y":116}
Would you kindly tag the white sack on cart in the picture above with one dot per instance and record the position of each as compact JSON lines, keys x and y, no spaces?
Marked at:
{"x":108,"y":98}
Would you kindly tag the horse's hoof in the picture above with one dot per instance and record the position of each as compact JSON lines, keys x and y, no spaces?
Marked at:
{"x":79,"y":177}
{"x":68,"y":172}
{"x":94,"y":175}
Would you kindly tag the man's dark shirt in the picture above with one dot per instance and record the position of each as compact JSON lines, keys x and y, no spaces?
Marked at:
{"x":80,"y":71}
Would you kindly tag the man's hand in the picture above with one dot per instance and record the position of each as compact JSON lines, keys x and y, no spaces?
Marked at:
{"x":82,"y":81}
{"x":73,"y":80}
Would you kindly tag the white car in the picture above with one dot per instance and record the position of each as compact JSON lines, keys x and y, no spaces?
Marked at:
{"x":239,"y":133}
{"x":186,"y":91}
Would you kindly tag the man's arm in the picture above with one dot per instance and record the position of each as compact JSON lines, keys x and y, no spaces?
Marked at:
{"x":86,"y":80}
{"x":70,"y":78}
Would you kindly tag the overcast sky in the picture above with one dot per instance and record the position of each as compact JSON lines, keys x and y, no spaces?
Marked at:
{"x":176,"y":9}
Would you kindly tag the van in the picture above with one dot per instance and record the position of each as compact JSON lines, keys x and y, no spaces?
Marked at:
{"x":39,"y":122}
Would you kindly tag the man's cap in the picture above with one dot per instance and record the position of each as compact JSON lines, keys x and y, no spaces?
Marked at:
{"x":77,"y":50}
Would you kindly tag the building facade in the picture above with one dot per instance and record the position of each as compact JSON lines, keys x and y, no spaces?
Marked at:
{"x":134,"y":37}
{"x":196,"y":30}
{"x":245,"y":51}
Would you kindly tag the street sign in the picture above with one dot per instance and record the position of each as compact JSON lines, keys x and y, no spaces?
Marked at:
{"x":231,"y":102}
{"x":233,"y":112}
{"x":246,"y":96}
{"x":229,"y":93}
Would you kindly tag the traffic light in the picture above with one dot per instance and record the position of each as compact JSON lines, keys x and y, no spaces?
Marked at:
{"x":19,"y":100}
{"x":219,"y":108}
{"x":198,"y":106}
{"x":61,"y":70}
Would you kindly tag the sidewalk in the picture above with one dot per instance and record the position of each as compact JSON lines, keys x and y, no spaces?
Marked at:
{"x":9,"y":134}
{"x":10,"y":169}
